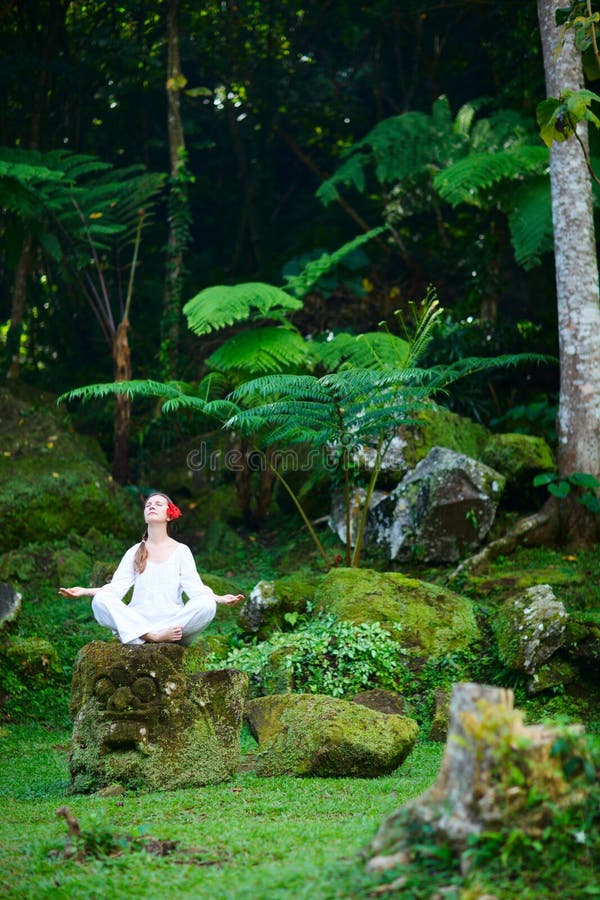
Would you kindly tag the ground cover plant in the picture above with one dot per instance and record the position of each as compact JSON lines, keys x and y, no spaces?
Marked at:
{"x":278,"y":837}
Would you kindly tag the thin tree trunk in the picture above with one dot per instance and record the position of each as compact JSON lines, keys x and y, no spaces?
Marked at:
{"x":576,"y":285}
{"x":122,"y":410}
{"x":179,"y":214}
{"x":17,"y":309}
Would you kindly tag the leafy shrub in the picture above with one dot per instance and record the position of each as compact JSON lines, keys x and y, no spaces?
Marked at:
{"x":327,"y":656}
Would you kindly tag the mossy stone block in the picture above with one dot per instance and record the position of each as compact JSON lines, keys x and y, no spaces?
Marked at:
{"x":311,"y":734}
{"x":141,"y":719}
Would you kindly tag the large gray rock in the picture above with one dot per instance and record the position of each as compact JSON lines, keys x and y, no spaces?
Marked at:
{"x":143,"y":721}
{"x":311,"y":734}
{"x":441,"y":510}
{"x":530,"y":628}
{"x":10,"y":604}
{"x":337,"y":517}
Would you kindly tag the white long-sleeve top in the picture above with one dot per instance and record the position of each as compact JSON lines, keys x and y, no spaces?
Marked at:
{"x":158,"y":590}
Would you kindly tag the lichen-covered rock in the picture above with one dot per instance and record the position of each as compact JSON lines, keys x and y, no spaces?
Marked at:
{"x":337,"y":516}
{"x":52,"y":480}
{"x":10,"y":604}
{"x":271,"y":601}
{"x":433,"y":620}
{"x":441,"y":510}
{"x":311,"y":734}
{"x":529,"y":628}
{"x":141,"y":719}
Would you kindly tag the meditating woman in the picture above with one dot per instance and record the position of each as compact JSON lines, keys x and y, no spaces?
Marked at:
{"x":160,"y":569}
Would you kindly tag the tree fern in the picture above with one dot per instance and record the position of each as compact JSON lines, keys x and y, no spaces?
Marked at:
{"x":371,"y":349}
{"x":530,"y":222}
{"x":466,"y":179}
{"x":221,"y":305}
{"x":260,"y":350}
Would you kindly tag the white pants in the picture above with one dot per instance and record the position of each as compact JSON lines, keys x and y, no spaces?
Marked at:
{"x":130,"y":623}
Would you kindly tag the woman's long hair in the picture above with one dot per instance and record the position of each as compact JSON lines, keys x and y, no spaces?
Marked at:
{"x":141,"y":554}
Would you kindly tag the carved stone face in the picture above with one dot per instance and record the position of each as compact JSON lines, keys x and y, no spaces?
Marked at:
{"x":129,"y":694}
{"x":130,"y":704}
{"x":142,"y":720}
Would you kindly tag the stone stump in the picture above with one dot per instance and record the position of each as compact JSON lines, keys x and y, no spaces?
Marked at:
{"x":142,"y":720}
{"x":493,"y":765}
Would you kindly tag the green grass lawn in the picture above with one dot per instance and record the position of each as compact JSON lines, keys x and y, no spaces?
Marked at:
{"x":247,"y":839}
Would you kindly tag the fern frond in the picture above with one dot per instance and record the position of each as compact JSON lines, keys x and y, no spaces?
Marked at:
{"x":271,"y":387}
{"x":351,"y":173}
{"x":370,"y":349}
{"x":314,"y":270}
{"x":131,"y":389}
{"x":463,"y":181}
{"x":222,"y":305}
{"x":530,"y":222}
{"x":261,"y":350}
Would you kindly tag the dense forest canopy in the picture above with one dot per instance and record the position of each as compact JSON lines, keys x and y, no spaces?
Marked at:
{"x":271,"y":100}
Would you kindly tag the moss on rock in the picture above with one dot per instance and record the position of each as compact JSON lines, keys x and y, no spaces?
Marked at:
{"x":437,"y":426}
{"x":270,"y":602}
{"x":311,"y":734}
{"x":529,"y":628}
{"x":433,"y":620}
{"x":53,"y":481}
{"x":142,"y":720}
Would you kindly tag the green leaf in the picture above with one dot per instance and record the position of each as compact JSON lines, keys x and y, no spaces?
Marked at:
{"x":218,"y":306}
{"x":560,"y":489}
{"x":584,"y":480}
{"x":544,"y":478}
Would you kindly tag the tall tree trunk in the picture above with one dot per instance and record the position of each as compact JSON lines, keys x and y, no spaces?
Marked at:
{"x":576,"y":285}
{"x":179,"y":213}
{"x":17,"y":309}
{"x":122,"y":411}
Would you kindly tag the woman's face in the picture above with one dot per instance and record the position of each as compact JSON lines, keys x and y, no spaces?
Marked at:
{"x":155,"y":509}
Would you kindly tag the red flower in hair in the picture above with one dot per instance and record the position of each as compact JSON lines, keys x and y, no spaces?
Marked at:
{"x":173,"y":512}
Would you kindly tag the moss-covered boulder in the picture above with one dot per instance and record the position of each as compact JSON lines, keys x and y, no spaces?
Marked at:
{"x":33,"y":660}
{"x":553,"y":674}
{"x":53,"y":481}
{"x":432,"y":620}
{"x":582,"y":636}
{"x":272,"y":603}
{"x":142,"y":719}
{"x":311,"y":734}
{"x":519,"y":458}
{"x":529,"y":628}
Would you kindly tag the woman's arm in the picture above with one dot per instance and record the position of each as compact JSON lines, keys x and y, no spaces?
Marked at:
{"x":77,"y":592}
{"x":116,"y":588}
{"x":193,"y":585}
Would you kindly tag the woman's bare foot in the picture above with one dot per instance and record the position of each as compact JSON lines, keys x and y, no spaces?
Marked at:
{"x":169,"y":635}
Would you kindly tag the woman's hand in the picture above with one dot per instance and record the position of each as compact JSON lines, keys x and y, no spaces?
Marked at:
{"x":230,"y":599}
{"x":76,"y":592}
